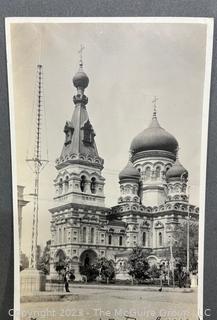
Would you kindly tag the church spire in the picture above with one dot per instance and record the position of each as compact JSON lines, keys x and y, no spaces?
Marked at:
{"x":79,"y":145}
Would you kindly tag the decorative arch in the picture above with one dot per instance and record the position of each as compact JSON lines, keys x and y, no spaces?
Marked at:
{"x":152,"y":260}
{"x":88,"y":257}
{"x":159,"y":225}
{"x":59,"y":255}
{"x":147,"y":172}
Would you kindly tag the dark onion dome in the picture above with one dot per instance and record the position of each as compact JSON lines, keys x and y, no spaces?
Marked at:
{"x":154,"y":138}
{"x":177,"y":171}
{"x":129,"y":172}
{"x":80,"y":79}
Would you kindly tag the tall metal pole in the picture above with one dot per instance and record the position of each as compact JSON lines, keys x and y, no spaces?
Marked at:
{"x":172,"y":260}
{"x":38,"y":165}
{"x":188,"y":233}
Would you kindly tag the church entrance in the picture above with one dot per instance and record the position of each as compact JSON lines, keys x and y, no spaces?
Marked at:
{"x":88,"y":257}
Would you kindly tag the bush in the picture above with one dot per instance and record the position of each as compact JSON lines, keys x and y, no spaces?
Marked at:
{"x":138,"y":265}
{"x":90,"y":271}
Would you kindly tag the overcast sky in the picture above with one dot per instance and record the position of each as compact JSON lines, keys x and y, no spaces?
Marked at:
{"x":127,"y":65}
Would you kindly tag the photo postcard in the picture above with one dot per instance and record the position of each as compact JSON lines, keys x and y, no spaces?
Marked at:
{"x":109,"y":127}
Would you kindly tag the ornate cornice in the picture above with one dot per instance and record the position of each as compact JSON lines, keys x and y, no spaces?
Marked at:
{"x":153,"y":153}
{"x":84,"y":159}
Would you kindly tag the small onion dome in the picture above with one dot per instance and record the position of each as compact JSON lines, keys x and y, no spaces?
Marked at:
{"x":80,"y":79}
{"x":154,"y":138}
{"x":177,"y":171}
{"x":129,"y":172}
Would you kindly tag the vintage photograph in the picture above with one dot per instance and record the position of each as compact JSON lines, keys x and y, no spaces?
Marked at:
{"x":109,"y":126}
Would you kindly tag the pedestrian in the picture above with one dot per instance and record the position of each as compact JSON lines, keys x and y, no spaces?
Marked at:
{"x":66,"y":282}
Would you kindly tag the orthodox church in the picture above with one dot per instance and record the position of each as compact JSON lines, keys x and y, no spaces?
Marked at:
{"x":153,"y":195}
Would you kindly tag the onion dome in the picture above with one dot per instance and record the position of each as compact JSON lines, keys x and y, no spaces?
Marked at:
{"x":80,"y":79}
{"x":129,"y":172}
{"x":177,"y":171}
{"x":154,"y":138}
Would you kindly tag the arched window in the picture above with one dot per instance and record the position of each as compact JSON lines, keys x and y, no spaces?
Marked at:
{"x":83,"y":183}
{"x":160,"y":236}
{"x":147,"y":173}
{"x":60,"y":235}
{"x":110,"y":239}
{"x":144,"y":239}
{"x":64,"y":235}
{"x":61,"y":186}
{"x":88,"y":133}
{"x":92,"y":235}
{"x":120,"y":241}
{"x":157,"y":172}
{"x":84,"y":234}
{"x":67,"y":184}
{"x":93,"y":185}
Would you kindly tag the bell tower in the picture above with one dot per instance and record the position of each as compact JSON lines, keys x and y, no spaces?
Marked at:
{"x":79,"y":179}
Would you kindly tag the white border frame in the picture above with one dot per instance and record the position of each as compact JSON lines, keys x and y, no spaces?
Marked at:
{"x":204,"y":137}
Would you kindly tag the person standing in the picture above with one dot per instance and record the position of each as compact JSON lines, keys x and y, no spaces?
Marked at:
{"x":66,"y":282}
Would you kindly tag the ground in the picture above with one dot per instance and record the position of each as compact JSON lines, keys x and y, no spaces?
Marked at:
{"x":108,"y":304}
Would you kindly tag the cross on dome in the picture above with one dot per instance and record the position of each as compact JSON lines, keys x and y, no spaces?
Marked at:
{"x":80,"y":53}
{"x":155,"y":107}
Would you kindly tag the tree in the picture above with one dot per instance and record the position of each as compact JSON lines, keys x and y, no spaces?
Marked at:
{"x":154,"y":272}
{"x":103,"y":267}
{"x":90,"y":271}
{"x":180,"y":245}
{"x":44,"y":261}
{"x":138,"y":265}
{"x":106,"y":269}
{"x":64,"y":266}
{"x":24,"y":261}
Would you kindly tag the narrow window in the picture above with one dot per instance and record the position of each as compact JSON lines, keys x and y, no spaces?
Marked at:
{"x":84,"y":234}
{"x":60,"y":235}
{"x":160,"y":239}
{"x":83,"y":183}
{"x":157,"y":172}
{"x":110,"y":239}
{"x":144,"y":239}
{"x":67,"y":184}
{"x":61,"y":186}
{"x":92,"y":235}
{"x":93,"y":185}
{"x":147,"y":173}
{"x":120,"y":241}
{"x":64,"y":235}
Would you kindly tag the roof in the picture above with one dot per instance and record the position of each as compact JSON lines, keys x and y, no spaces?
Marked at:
{"x":79,"y":131}
{"x":154,"y":138}
{"x":176,"y":171}
{"x":129,"y":172}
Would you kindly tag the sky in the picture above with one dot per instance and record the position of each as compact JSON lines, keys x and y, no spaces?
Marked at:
{"x":127,"y":65}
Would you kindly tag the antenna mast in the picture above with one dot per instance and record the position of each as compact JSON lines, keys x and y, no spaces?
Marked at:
{"x":37,"y":164}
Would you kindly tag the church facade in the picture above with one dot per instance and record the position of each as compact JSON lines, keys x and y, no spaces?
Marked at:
{"x":153,"y":195}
